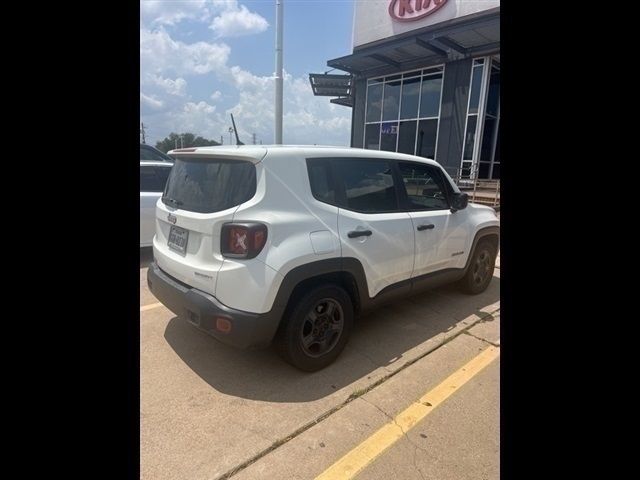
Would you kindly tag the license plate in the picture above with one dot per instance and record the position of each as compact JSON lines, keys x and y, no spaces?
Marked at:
{"x":178,"y":238}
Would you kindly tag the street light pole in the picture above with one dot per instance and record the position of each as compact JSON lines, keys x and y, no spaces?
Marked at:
{"x":278,"y":99}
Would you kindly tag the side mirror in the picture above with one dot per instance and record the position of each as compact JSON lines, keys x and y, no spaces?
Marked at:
{"x":459,"y":201}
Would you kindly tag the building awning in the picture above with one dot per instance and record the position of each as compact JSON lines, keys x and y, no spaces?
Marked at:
{"x":470,"y":36}
{"x":332,"y":85}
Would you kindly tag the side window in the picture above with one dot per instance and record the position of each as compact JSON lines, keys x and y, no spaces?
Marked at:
{"x":149,"y":180}
{"x":162,"y":174}
{"x":320,"y":179}
{"x":424,"y":186}
{"x":149,"y":154}
{"x":368,"y":184}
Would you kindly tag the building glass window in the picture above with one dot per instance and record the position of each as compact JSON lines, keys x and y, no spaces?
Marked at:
{"x":391,"y":104}
{"x":481,"y":151}
{"x":403,"y":112}
{"x":372,"y":136}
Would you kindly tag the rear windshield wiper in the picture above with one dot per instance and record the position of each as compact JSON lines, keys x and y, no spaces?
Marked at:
{"x":173,"y":201}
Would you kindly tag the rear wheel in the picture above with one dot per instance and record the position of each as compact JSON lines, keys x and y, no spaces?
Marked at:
{"x":481,"y":267}
{"x":317,"y":328}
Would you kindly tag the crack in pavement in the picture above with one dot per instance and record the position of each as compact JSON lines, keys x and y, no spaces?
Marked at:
{"x":482,"y":316}
{"x":404,"y":433}
{"x":415,"y":464}
{"x":483,"y":339}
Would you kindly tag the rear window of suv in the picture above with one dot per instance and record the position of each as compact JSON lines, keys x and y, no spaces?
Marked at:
{"x":209,"y":185}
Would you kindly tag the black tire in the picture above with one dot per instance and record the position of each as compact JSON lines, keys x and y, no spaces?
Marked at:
{"x":481,"y":267}
{"x":316,"y":329}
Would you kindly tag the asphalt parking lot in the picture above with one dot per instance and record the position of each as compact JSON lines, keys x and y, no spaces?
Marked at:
{"x":415,"y":394}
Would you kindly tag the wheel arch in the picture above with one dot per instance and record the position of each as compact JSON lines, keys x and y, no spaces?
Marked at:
{"x":492,"y":234}
{"x":346,"y":272}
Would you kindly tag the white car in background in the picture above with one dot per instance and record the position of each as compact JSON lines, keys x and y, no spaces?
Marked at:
{"x":153,"y":177}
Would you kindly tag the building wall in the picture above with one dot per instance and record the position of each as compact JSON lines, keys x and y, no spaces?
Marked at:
{"x":453,"y":114}
{"x":359,"y":105}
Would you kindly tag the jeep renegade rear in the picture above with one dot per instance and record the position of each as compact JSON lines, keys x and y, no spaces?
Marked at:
{"x":281,"y":244}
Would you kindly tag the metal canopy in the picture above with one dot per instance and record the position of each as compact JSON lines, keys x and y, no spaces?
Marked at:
{"x":330,"y":85}
{"x":472,"y":35}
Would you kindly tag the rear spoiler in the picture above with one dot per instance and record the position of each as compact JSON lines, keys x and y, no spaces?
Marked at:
{"x":253,"y":155}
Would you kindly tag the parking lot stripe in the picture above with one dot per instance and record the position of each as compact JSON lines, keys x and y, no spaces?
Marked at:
{"x":150,"y":307}
{"x":362,"y":455}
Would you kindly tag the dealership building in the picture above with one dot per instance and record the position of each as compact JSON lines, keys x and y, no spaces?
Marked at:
{"x":424,"y":78}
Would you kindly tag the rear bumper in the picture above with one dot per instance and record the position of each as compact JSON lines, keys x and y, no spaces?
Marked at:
{"x":248,"y":330}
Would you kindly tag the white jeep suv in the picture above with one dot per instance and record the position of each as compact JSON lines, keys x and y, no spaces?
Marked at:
{"x":256,"y":244}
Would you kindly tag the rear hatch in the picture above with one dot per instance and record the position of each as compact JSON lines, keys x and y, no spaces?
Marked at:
{"x":203,"y":191}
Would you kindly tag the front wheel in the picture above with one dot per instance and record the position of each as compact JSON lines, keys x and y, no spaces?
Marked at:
{"x":480,"y":271}
{"x":317,"y":328}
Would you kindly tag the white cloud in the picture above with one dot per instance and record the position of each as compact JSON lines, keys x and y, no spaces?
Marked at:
{"x":306,"y":120}
{"x":175,"y":87}
{"x":170,"y":12}
{"x":150,"y":101}
{"x":159,"y":53}
{"x":235,"y":22}
{"x":168,"y":104}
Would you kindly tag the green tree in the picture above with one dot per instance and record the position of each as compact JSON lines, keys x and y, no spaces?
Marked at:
{"x":188,"y":140}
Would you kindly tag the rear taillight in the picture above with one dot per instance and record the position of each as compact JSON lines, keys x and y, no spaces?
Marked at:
{"x":243,"y":240}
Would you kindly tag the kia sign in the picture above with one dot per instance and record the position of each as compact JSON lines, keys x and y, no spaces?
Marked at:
{"x":412,"y":10}
{"x":381,"y":19}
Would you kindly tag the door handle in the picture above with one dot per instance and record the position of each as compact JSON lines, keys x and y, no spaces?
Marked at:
{"x":428,"y":226}
{"x":359,"y":233}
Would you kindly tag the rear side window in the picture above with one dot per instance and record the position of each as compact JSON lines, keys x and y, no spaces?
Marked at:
{"x":153,"y":179}
{"x":321,"y":182}
{"x":208,"y":185}
{"x":150,"y":154}
{"x":368,"y":184}
{"x":163,"y":175}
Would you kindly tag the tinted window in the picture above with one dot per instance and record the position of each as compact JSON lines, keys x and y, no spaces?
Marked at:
{"x":424,"y":185}
{"x":147,"y":153}
{"x":372,"y":136}
{"x":391,"y":104}
{"x":320,"y":180}
{"x":153,"y":179}
{"x":476,"y":82}
{"x":407,"y":140}
{"x":208,"y":186}
{"x":410,"y":95}
{"x":470,"y":137}
{"x":162,"y":173}
{"x":389,"y":136}
{"x":374,"y":102}
{"x":427,"y":134}
{"x":430,"y":99}
{"x":368,"y":185}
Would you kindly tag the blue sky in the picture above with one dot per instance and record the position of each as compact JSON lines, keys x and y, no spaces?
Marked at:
{"x":202,"y":59}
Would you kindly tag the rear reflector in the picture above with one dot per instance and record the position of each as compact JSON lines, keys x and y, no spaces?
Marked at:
{"x":223,"y":325}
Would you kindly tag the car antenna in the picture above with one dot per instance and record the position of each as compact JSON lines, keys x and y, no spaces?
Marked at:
{"x":235,"y":130}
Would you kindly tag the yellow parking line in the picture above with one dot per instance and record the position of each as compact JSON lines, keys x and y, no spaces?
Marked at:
{"x":362,"y":455}
{"x":150,"y":307}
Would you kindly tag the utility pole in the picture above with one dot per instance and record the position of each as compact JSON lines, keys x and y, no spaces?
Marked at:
{"x":144,"y":140}
{"x":221,"y":139}
{"x":278,"y":109}
{"x":181,"y":140}
{"x":254,"y":138}
{"x":176,"y":140}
